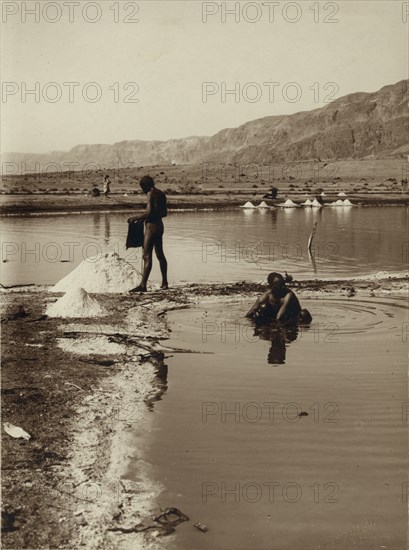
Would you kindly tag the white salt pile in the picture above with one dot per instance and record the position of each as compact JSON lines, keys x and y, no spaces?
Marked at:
{"x":263,"y":205}
{"x":100,"y":274}
{"x":347,"y":202}
{"x":76,"y":303}
{"x":342,"y":194}
{"x":316,"y":204}
{"x":307,"y":203}
{"x":288,"y":204}
{"x":248,"y":205}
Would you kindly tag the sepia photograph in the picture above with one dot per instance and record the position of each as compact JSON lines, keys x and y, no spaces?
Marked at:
{"x":204,"y":284}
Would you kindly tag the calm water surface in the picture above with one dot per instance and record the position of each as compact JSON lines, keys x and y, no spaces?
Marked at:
{"x":226,"y":431}
{"x":208,"y":246}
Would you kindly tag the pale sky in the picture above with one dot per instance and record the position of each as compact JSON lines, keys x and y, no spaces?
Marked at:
{"x":170,"y":52}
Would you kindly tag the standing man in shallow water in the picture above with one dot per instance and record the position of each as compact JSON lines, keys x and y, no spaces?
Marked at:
{"x":156,"y":209}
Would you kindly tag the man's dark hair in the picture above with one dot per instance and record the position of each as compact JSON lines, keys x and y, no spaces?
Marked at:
{"x":275,"y":276}
{"x":146,"y":182}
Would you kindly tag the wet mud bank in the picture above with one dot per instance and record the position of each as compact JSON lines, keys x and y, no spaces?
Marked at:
{"x":84,"y":390}
{"x":80,"y":388}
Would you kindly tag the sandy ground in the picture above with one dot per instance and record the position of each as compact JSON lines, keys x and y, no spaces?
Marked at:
{"x":70,"y":385}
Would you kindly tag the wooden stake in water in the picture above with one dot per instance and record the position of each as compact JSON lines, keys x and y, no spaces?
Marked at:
{"x":314,"y":229}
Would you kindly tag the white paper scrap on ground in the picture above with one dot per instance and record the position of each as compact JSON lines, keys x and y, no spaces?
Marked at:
{"x":15,"y":431}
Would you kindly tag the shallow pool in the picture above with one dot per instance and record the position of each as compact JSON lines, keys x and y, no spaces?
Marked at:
{"x":286,"y":441}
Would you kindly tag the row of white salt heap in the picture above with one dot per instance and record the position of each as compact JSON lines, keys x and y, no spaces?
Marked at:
{"x":339,"y":202}
{"x":346,"y":202}
{"x":251,"y":205}
{"x":314,"y":204}
{"x":291,"y":204}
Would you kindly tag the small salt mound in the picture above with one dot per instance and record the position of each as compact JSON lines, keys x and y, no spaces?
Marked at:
{"x":307,"y":203}
{"x":100,"y":274}
{"x":76,"y":303}
{"x":316,"y":204}
{"x":323,"y":194}
{"x":288,"y":204}
{"x":263,"y":205}
{"x":248,"y":205}
{"x":347,"y":202}
{"x":337,"y":203}
{"x":342,"y":194}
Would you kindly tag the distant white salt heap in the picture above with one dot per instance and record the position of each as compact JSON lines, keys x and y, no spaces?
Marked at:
{"x":76,"y":303}
{"x":307,"y":203}
{"x":342,"y":194}
{"x":347,"y":202}
{"x":248,"y":205}
{"x":288,"y":204}
{"x":263,"y":205}
{"x":337,"y":203}
{"x":100,"y":274}
{"x":316,"y":204}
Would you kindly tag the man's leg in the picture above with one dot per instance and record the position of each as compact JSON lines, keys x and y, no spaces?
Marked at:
{"x":148,"y":243}
{"x":162,"y":260}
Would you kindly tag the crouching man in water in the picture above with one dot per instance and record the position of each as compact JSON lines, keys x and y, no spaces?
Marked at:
{"x":156,"y":209}
{"x":279,"y":303}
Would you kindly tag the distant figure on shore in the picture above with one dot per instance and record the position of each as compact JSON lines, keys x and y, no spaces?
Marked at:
{"x":278,"y":303}
{"x":156,"y":209}
{"x":107,"y":186}
{"x":272,"y":194}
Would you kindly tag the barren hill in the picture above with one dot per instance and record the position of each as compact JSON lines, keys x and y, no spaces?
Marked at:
{"x":356,"y":126}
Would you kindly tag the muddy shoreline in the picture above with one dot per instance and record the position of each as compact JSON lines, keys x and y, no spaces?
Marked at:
{"x":70,"y":384}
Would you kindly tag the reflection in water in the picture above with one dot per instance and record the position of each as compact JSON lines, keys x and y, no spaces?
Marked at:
{"x":101,"y":224}
{"x":273,"y":218}
{"x":343,"y":213}
{"x":280,"y":337}
{"x":107,"y":227}
{"x":309,"y":247}
{"x":96,"y":223}
{"x":249,"y":211}
{"x":161,"y":384}
{"x":312,"y":260}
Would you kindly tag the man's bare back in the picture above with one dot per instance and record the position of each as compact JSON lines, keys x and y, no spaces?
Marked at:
{"x":278,"y":303}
